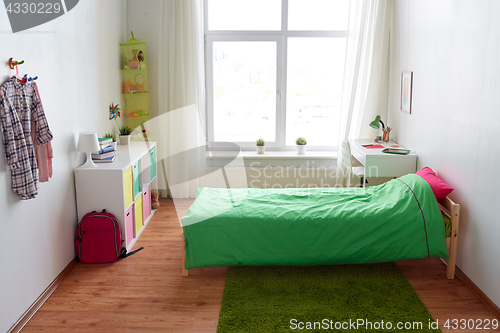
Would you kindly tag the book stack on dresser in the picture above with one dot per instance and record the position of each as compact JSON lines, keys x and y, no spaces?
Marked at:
{"x":107,"y":154}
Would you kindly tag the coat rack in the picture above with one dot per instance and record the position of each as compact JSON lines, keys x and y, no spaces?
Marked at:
{"x":13,"y":65}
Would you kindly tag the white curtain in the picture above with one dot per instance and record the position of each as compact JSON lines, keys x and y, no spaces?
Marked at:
{"x":180,"y":126}
{"x":366,"y":76}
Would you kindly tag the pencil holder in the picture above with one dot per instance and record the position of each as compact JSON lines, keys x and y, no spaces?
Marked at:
{"x":385,"y":135}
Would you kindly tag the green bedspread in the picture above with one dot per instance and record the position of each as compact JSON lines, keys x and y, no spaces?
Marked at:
{"x":397,"y":220}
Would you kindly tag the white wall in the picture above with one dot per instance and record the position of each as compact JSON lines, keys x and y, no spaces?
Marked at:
{"x":453,"y":49}
{"x":77,"y":60}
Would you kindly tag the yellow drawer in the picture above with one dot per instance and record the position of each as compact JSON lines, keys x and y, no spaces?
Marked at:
{"x":128,"y":186}
{"x":139,"y":219}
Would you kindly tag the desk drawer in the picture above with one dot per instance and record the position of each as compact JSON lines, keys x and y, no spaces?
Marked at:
{"x":390,"y":165}
{"x":357,"y":155}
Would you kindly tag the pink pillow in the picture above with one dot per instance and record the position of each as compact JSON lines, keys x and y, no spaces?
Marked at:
{"x":440,"y":188}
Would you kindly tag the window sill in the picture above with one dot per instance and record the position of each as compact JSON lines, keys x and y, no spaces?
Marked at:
{"x":283,"y":154}
{"x":273,"y":158}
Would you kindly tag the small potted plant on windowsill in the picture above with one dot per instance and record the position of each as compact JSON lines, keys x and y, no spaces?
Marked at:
{"x":125,"y":132}
{"x":111,"y":136}
{"x":301,"y":145}
{"x":261,"y":146}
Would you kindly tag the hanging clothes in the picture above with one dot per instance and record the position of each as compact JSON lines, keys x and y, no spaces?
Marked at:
{"x":43,"y":153}
{"x":19,"y":104}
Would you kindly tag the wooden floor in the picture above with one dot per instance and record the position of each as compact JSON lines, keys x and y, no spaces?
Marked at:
{"x":145,"y":292}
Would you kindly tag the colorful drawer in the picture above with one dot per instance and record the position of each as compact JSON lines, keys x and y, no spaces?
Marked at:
{"x":129,"y":225}
{"x":128,"y":187}
{"x":139,"y":221}
{"x":152,"y":163}
{"x":137,"y":178}
{"x":146,"y":202}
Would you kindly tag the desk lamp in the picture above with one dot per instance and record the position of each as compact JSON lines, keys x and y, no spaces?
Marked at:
{"x":88,"y":143}
{"x":374,"y":124}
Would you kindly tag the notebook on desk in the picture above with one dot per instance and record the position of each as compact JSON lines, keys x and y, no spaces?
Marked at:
{"x":373,"y":146}
{"x":396,"y":151}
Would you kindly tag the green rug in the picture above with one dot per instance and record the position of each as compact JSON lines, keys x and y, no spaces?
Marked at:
{"x":340,"y":298}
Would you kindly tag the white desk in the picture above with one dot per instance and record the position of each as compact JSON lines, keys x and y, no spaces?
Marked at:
{"x":378,"y":164}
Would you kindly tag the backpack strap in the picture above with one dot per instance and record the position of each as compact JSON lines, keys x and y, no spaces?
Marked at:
{"x":124,"y":254}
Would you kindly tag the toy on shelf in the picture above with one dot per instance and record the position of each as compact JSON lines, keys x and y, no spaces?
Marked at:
{"x":134,"y":54}
{"x":133,"y":114}
{"x":155,"y":199}
{"x":135,"y":83}
{"x":138,"y":113}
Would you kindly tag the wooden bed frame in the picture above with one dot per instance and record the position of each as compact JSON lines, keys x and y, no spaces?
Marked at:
{"x":451,"y":209}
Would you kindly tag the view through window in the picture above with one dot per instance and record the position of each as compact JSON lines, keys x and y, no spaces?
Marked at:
{"x":275,"y":71}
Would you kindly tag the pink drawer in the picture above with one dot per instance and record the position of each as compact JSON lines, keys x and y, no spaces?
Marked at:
{"x":146,"y":199}
{"x":129,"y":225}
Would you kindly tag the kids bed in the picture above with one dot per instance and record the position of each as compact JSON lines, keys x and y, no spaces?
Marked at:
{"x":398,"y":220}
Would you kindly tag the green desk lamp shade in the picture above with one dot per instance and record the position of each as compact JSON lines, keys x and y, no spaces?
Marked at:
{"x":374,"y":124}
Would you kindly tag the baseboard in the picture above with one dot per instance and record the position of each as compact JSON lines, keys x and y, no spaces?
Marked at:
{"x":492,"y":306}
{"x":482,"y":297}
{"x":18,"y":326}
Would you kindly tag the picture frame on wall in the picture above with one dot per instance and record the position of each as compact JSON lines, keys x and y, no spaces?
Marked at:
{"x":406,"y":91}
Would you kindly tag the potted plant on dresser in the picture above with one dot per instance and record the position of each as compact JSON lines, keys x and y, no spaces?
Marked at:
{"x":301,"y":145}
{"x":261,"y":146}
{"x":125,"y":132}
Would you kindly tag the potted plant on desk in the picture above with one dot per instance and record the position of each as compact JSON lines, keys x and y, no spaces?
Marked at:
{"x":261,"y":146}
{"x":125,"y":132}
{"x":301,"y":145}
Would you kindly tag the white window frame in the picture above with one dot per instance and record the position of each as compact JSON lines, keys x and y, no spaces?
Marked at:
{"x":210,"y":39}
{"x":281,"y":39}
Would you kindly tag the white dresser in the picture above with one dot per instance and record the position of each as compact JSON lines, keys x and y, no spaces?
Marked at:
{"x":123,"y":188}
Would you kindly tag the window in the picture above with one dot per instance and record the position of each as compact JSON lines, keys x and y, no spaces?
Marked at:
{"x":274,"y":70}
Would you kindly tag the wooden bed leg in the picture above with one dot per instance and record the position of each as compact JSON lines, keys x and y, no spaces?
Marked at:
{"x":452,"y":210}
{"x":450,"y":270}
{"x":185,"y":272}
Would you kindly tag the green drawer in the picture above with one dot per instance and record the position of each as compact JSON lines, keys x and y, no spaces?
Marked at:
{"x":152,"y":163}
{"x":137,"y":178}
